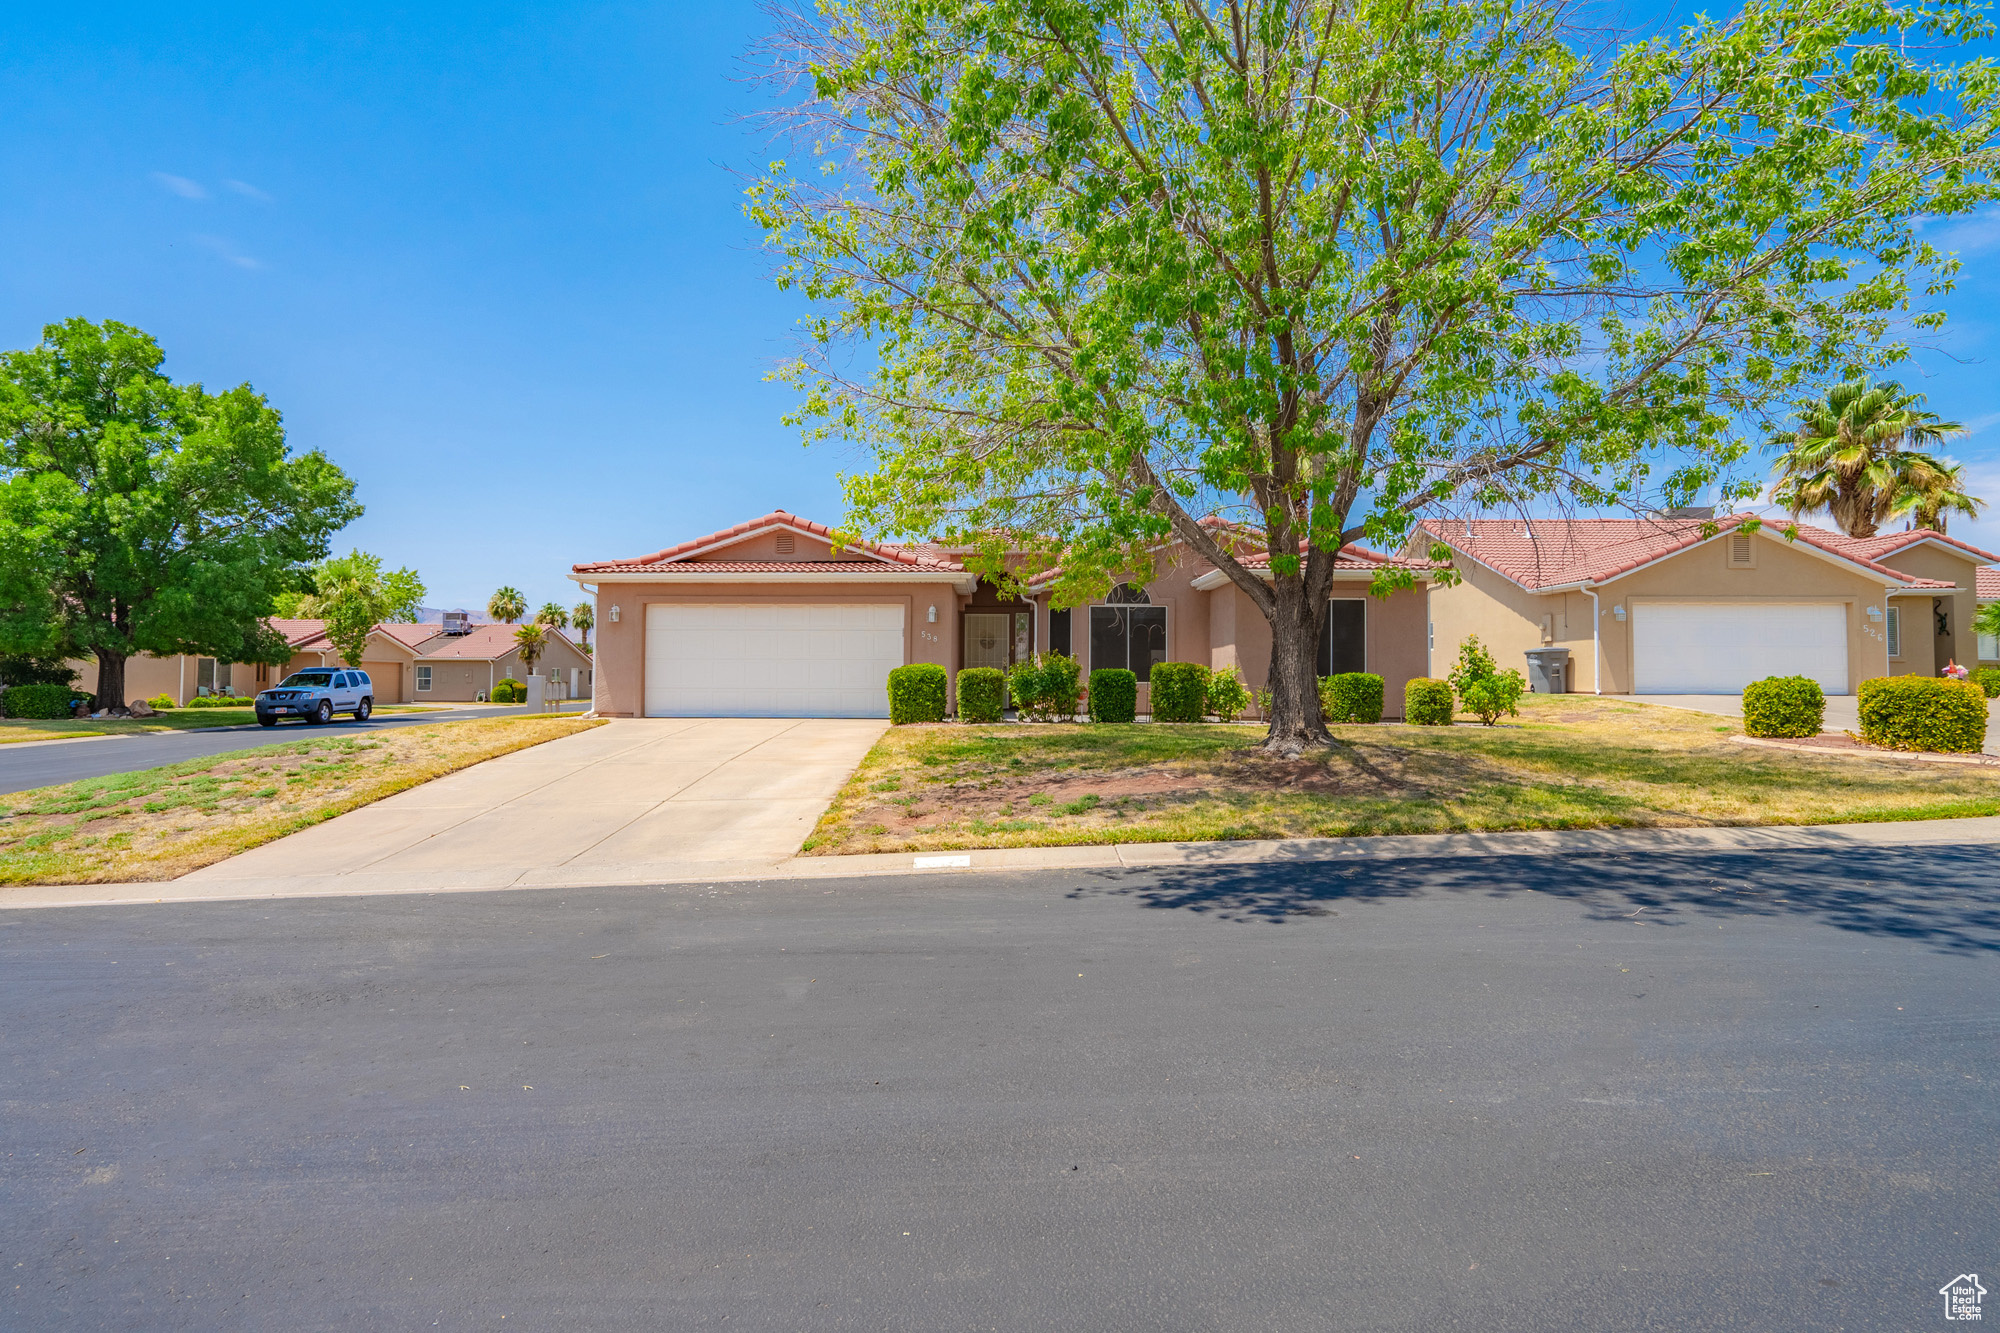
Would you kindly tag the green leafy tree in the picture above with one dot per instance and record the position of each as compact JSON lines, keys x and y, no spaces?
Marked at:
{"x":507,"y":605}
{"x":353,"y":594}
{"x":530,"y":641}
{"x":1856,"y":456}
{"x":1086,"y":273}
{"x":584,"y":616}
{"x":1484,"y":689}
{"x":552,"y":616}
{"x":142,"y":516}
{"x":1987,"y":619}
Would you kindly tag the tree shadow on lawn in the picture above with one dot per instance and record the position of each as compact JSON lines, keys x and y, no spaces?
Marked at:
{"x":1945,"y":897}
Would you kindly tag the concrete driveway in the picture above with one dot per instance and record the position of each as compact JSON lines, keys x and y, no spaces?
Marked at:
{"x":1843,"y":711}
{"x":630,"y":802}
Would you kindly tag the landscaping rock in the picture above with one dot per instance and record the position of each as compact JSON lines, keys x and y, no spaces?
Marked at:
{"x":140,"y":708}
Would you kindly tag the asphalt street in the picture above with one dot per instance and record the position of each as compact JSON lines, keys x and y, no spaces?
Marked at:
{"x":1670,"y":1092}
{"x":34,"y":765}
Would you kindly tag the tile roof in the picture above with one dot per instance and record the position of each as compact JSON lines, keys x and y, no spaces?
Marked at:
{"x":409,"y":635}
{"x":299,"y":633}
{"x":695,"y":569}
{"x":482,"y":643}
{"x":922,"y":557}
{"x":1352,"y":558}
{"x":1888,"y":543}
{"x":1555,"y":552}
{"x":1988,"y":585}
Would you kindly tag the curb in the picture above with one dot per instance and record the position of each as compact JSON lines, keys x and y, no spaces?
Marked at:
{"x":1301,"y":852}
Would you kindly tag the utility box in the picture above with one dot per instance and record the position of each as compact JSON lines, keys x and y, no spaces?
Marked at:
{"x":537,"y":692}
{"x":1548,"y":670}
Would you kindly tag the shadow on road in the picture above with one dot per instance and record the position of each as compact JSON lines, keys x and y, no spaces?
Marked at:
{"x":1945,"y":897}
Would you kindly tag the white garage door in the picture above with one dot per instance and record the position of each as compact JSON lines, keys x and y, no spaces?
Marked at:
{"x":1719,"y":647}
{"x":771,"y":660}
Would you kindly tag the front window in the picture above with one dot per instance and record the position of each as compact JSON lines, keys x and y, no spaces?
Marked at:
{"x":309,"y":680}
{"x":423,"y":678}
{"x":1895,"y":631}
{"x":1133,"y":637}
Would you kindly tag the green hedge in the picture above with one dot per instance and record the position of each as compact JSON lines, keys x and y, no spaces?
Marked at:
{"x":507,"y":690}
{"x":162,"y":701}
{"x":1352,"y":696}
{"x":1045,"y":687}
{"x":1227,"y":697}
{"x":1988,"y":679}
{"x":1180,"y":691}
{"x":1114,"y":695}
{"x":1428,"y":703}
{"x":218,"y":701}
{"x":1783,"y":706}
{"x":916,"y":693}
{"x":41,"y":700}
{"x":982,"y":694}
{"x":1923,"y":713}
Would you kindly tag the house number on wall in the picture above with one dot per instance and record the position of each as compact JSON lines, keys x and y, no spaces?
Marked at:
{"x":927,"y":636}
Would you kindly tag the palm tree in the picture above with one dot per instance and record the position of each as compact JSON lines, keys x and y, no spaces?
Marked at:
{"x":507,"y":605}
{"x":584,"y":616}
{"x":1929,"y":490}
{"x":553,"y":616}
{"x":531,"y":641}
{"x":1844,"y":456}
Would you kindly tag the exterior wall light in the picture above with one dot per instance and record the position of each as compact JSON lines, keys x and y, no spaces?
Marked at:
{"x":933,"y":616}
{"x":1618,"y":611}
{"x":1874,"y":613}
{"x":614,"y":613}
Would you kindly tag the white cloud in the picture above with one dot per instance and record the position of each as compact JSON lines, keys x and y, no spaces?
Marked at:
{"x":180,"y":185}
{"x":1970,"y":235}
{"x":227,"y":251}
{"x":246,"y":189}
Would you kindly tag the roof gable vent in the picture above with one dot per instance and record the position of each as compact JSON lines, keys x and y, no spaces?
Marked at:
{"x":787,"y":543}
{"x":1742,"y":554}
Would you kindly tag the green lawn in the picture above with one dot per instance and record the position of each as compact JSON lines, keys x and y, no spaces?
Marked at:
{"x":13,"y":730}
{"x":161,"y":822}
{"x":1567,"y":762}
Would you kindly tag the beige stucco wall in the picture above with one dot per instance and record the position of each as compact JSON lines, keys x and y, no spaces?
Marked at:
{"x":1962,"y":644}
{"x":1509,"y":621}
{"x":621,"y":646}
{"x":462,"y":680}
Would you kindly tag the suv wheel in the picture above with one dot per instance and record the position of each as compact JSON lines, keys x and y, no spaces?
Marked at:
{"x":266,"y":720}
{"x":322,"y":714}
{"x":363,"y":709}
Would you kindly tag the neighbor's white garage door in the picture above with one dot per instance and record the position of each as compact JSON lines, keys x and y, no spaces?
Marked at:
{"x":771,"y":660}
{"x":1719,"y":647}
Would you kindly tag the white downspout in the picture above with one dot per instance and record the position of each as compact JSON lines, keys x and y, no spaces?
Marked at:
{"x":1596,"y":641}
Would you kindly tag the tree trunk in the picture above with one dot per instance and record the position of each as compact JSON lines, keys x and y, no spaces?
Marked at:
{"x":110,"y":679}
{"x":1296,"y":722}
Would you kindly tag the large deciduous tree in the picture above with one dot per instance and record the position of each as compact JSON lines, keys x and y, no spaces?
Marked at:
{"x":1087,"y":271}
{"x":139,"y":515}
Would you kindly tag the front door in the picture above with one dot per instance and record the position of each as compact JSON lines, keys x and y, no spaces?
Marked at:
{"x":988,"y":638}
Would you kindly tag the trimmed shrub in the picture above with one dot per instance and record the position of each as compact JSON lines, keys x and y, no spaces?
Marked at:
{"x":1227,"y":697}
{"x":1783,"y":706}
{"x":219,"y":701}
{"x":1045,"y":687}
{"x":1180,"y":691}
{"x":1988,"y":679}
{"x":982,"y":694}
{"x":1428,"y":703}
{"x":1923,"y":713}
{"x":1114,"y":695}
{"x":916,"y":693}
{"x":162,"y":701}
{"x":507,"y":690}
{"x":41,"y":700}
{"x":1352,"y":696}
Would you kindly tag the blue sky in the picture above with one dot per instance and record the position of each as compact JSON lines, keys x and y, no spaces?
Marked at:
{"x":491,"y":259}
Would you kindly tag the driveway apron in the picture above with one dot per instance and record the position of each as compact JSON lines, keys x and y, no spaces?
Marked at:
{"x":628,"y":802}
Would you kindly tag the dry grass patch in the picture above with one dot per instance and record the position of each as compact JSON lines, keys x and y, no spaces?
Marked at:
{"x":1570,"y":761}
{"x":162,"y":822}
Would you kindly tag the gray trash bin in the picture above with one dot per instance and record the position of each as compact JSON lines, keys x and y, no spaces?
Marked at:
{"x":1548,"y":670}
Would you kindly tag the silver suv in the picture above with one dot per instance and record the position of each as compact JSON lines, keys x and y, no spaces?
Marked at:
{"x":316,"y":695}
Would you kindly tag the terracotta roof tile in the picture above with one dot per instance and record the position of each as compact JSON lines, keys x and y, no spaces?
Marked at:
{"x":410,"y":635}
{"x":924,"y":557}
{"x":482,"y":643}
{"x":1551,"y":553}
{"x":298,"y":633}
{"x":1888,"y":543}
{"x":697,"y":569}
{"x":1988,"y":585}
{"x":1353,"y":559}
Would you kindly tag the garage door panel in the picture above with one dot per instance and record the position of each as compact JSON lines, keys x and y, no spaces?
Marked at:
{"x":771,"y":660}
{"x":1720,"y":647}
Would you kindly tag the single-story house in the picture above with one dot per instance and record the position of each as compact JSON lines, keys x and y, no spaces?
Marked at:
{"x":1691,"y":604}
{"x":1988,"y":590}
{"x":777,"y":618}
{"x":408,"y":663}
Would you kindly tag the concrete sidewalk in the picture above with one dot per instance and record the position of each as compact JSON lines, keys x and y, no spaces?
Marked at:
{"x":206,"y":886}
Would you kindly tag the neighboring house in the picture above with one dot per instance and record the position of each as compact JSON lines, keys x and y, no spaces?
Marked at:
{"x":1988,"y":590}
{"x":1689,"y":604}
{"x":769,"y":618}
{"x":407,"y":663}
